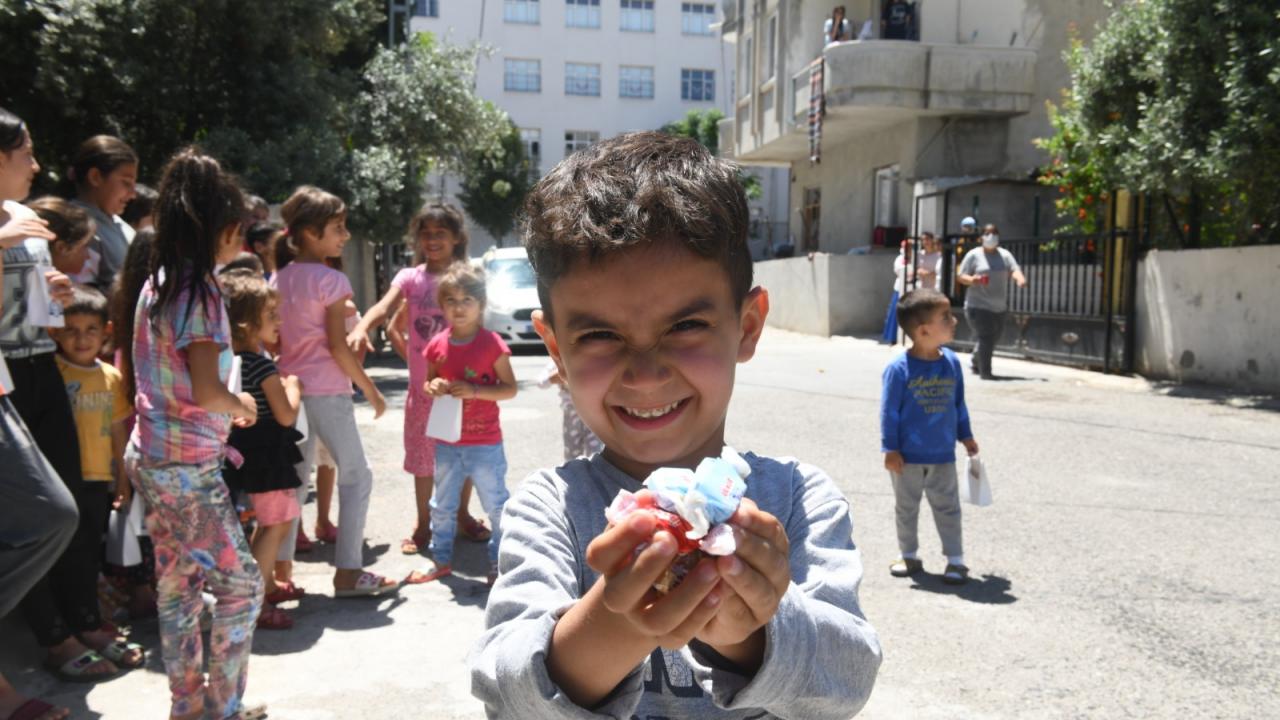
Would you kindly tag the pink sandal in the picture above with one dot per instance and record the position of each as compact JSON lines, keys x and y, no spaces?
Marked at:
{"x":327,"y":535}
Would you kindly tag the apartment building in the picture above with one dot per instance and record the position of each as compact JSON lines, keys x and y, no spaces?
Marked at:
{"x":573,"y":72}
{"x":915,"y":134}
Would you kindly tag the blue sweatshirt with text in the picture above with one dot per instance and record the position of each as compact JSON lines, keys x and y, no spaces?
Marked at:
{"x":922,"y":410}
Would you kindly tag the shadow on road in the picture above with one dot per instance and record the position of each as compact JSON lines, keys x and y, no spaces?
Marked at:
{"x":1220,"y":396}
{"x":323,"y":553}
{"x":985,"y":589}
{"x":315,"y":615}
{"x":1014,"y":378}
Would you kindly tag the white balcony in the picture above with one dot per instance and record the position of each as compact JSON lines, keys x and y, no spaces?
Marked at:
{"x":873,"y":83}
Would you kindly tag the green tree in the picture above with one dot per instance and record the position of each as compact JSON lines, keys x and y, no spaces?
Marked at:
{"x":495,"y":181}
{"x":1179,"y":99}
{"x":284,"y":92}
{"x":704,"y":126}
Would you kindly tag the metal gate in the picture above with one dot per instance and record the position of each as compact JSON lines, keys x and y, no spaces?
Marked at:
{"x":1078,"y":306}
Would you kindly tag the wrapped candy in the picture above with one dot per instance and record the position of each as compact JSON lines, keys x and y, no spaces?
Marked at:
{"x":693,"y":506}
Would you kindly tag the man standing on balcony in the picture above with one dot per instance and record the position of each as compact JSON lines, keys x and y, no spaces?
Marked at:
{"x":896,"y":20}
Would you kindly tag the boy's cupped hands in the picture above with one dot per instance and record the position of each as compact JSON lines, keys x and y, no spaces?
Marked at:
{"x":723,"y":602}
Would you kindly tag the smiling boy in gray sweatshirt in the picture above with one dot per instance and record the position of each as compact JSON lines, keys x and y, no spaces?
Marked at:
{"x":639,"y":244}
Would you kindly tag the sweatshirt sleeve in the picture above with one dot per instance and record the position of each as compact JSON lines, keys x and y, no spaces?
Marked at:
{"x":891,"y":408}
{"x":538,"y":583}
{"x":819,"y":619}
{"x":963,"y":430}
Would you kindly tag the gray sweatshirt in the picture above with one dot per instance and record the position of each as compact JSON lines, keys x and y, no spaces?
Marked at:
{"x":821,"y":654}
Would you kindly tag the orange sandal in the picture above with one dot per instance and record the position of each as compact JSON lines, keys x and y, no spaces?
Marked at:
{"x":418,"y":577}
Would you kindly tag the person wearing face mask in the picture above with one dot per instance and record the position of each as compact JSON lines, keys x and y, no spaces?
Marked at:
{"x":986,"y":271}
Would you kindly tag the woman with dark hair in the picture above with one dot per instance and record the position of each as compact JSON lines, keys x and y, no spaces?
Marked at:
{"x":105,"y":171}
{"x":38,"y":515}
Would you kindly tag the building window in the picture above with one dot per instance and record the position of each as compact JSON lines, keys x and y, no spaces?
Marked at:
{"x":520,"y":11}
{"x":523,"y":76}
{"x":696,"y":18}
{"x":748,"y":66}
{"x":635,"y":81}
{"x":770,"y":46}
{"x":637,"y":15}
{"x":427,"y":8}
{"x":532,"y":139}
{"x":582,"y":13}
{"x":697,"y":85}
{"x":575,"y":140}
{"x":581,"y":79}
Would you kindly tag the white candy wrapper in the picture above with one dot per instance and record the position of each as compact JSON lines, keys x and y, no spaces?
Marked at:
{"x":704,"y":499}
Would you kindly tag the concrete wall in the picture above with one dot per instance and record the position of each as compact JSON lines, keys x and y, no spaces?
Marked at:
{"x":828,"y":294}
{"x":1210,"y":316}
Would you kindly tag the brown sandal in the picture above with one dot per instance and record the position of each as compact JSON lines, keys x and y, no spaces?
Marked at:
{"x":416,"y":543}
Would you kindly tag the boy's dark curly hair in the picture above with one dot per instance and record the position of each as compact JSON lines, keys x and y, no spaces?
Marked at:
{"x":636,"y":188}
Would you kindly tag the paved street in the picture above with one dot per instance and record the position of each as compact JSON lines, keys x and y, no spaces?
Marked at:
{"x":1127,"y":569}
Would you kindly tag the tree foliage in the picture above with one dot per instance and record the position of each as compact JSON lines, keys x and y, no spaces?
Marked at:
{"x":284,"y":92}
{"x":704,"y":126}
{"x":1179,"y":99}
{"x":495,"y":181}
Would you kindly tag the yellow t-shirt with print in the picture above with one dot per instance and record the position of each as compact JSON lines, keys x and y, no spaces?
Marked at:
{"x":97,"y":401}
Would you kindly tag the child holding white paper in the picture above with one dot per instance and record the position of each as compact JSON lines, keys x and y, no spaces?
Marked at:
{"x":438,"y":235}
{"x":922,"y":415}
{"x":468,"y":362}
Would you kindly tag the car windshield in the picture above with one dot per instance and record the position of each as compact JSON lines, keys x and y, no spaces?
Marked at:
{"x":512,"y":272}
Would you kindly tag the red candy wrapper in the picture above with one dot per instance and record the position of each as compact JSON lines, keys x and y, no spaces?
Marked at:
{"x":693,"y":506}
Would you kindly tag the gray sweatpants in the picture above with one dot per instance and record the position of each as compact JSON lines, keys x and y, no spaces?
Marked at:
{"x":332,"y":418}
{"x":938,"y":483}
{"x":38,"y":515}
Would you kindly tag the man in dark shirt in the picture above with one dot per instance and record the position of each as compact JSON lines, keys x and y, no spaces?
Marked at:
{"x":896,"y":20}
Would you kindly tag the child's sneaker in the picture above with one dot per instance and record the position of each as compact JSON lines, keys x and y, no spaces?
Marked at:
{"x":955,"y":574}
{"x":902,"y":567}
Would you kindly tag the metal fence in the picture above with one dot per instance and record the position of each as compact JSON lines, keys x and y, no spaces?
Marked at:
{"x":1077,"y":307}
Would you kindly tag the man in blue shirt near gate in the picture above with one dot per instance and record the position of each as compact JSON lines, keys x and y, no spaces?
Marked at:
{"x":922,"y":415}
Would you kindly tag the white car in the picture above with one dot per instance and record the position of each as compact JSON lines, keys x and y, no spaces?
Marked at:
{"x":512,"y":291}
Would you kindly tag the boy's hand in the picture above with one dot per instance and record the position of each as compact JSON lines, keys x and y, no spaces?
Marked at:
{"x":970,"y":446}
{"x":893,"y":462}
{"x":437,"y":386}
{"x":464,"y":390}
{"x":758,"y":574}
{"x":626,"y":584}
{"x":247,"y":413}
{"x":293,"y":382}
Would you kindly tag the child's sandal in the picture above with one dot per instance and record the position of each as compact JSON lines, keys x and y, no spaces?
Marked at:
{"x":273,"y":618}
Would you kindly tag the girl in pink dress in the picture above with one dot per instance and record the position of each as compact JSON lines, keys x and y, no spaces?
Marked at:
{"x":440,"y":238}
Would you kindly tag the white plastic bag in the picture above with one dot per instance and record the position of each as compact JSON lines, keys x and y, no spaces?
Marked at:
{"x":300,"y":424}
{"x":445,"y":421}
{"x":234,"y":383}
{"x":975,"y":486}
{"x":123,"y":530}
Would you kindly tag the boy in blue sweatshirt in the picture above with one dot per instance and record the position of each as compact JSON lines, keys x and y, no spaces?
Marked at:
{"x":922,"y":415}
